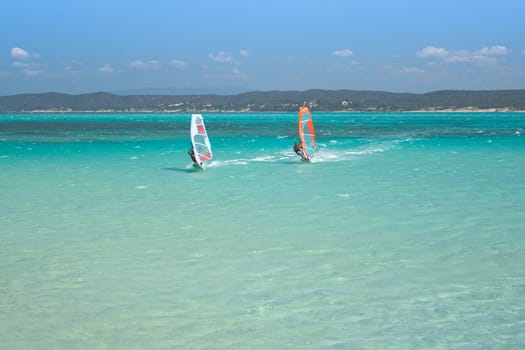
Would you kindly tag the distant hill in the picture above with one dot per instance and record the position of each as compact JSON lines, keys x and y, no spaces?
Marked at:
{"x":320,"y":100}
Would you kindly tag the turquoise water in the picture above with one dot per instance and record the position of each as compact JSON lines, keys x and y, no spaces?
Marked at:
{"x":407,"y":231}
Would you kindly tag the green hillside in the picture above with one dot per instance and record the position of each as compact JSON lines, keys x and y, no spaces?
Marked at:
{"x":320,"y":100}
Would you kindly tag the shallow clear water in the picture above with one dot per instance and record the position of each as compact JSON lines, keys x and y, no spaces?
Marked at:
{"x":406,"y":231}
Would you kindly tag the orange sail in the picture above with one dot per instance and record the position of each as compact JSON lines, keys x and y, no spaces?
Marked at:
{"x":307,"y":132}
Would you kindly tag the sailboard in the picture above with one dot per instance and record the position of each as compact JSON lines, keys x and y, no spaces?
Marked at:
{"x":200,"y":142}
{"x":306,"y":133}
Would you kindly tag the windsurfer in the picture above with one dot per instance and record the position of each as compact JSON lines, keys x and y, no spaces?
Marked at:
{"x":191,"y":152}
{"x":298,"y":149}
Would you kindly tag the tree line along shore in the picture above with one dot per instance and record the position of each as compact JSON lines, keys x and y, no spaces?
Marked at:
{"x":271,"y":101}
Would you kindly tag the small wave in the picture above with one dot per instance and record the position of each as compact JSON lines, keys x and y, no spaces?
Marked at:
{"x":220,"y":163}
{"x":334,"y":151}
{"x":330,"y":155}
{"x":264,"y":158}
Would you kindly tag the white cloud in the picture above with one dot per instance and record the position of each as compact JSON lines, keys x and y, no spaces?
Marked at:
{"x":343,"y":53}
{"x":244,"y":53}
{"x":20,"y":65}
{"x":179,"y":64}
{"x":28,"y":67}
{"x":223,"y":57}
{"x":137,"y":64}
{"x":494,"y":50}
{"x":431,"y":51}
{"x":19,"y":53}
{"x":484,"y":56}
{"x":523,"y":52}
{"x":463,"y":56}
{"x":106,"y":68}
{"x":152,"y":64}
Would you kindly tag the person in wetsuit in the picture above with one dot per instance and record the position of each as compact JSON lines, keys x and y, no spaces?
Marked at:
{"x":298,"y":149}
{"x":191,"y":153}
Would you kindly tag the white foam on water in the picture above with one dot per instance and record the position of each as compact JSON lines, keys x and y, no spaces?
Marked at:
{"x":264,"y":158}
{"x":325,"y":153}
{"x":221,"y":163}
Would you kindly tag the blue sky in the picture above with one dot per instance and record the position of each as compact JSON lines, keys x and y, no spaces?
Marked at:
{"x":223,"y":46}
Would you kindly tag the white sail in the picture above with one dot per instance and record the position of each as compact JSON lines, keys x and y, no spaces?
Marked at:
{"x":199,"y":140}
